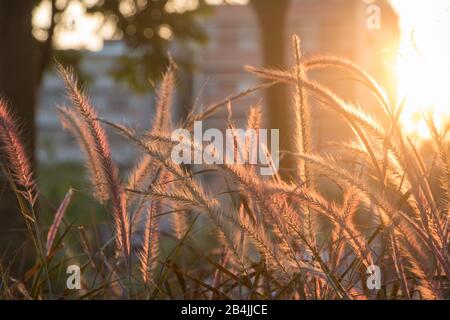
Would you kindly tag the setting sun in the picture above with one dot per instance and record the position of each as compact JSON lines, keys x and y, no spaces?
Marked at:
{"x":423,"y":68}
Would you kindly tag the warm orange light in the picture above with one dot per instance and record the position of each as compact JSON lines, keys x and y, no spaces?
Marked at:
{"x":423,"y":63}
{"x":78,"y":30}
{"x":87,"y":31}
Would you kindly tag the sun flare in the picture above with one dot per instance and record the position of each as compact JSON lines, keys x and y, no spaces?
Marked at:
{"x":423,"y":65}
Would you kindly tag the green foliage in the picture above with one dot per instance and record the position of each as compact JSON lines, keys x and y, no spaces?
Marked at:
{"x":54,"y":181}
{"x":148,"y":29}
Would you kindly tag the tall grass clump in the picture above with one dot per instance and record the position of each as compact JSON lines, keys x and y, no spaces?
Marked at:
{"x":259,"y":237}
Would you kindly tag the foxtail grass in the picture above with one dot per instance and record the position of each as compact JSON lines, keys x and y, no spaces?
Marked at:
{"x":257,"y":237}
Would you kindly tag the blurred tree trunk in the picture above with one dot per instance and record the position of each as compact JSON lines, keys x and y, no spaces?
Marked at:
{"x":17,"y":86}
{"x":272,"y":20}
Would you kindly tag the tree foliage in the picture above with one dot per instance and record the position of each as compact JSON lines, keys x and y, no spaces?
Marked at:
{"x":148,"y":28}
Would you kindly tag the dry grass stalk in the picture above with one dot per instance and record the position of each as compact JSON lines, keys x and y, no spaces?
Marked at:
{"x":266,"y":228}
{"x":15,"y":156}
{"x":103,"y":156}
{"x":51,"y":235}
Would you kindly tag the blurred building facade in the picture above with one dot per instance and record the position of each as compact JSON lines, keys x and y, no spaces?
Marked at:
{"x":337,"y":27}
{"x":113,"y":101}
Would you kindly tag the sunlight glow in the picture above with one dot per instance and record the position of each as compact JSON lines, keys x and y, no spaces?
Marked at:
{"x":423,"y":64}
{"x":82,"y":31}
{"x":77,"y":29}
{"x":422,"y":67}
